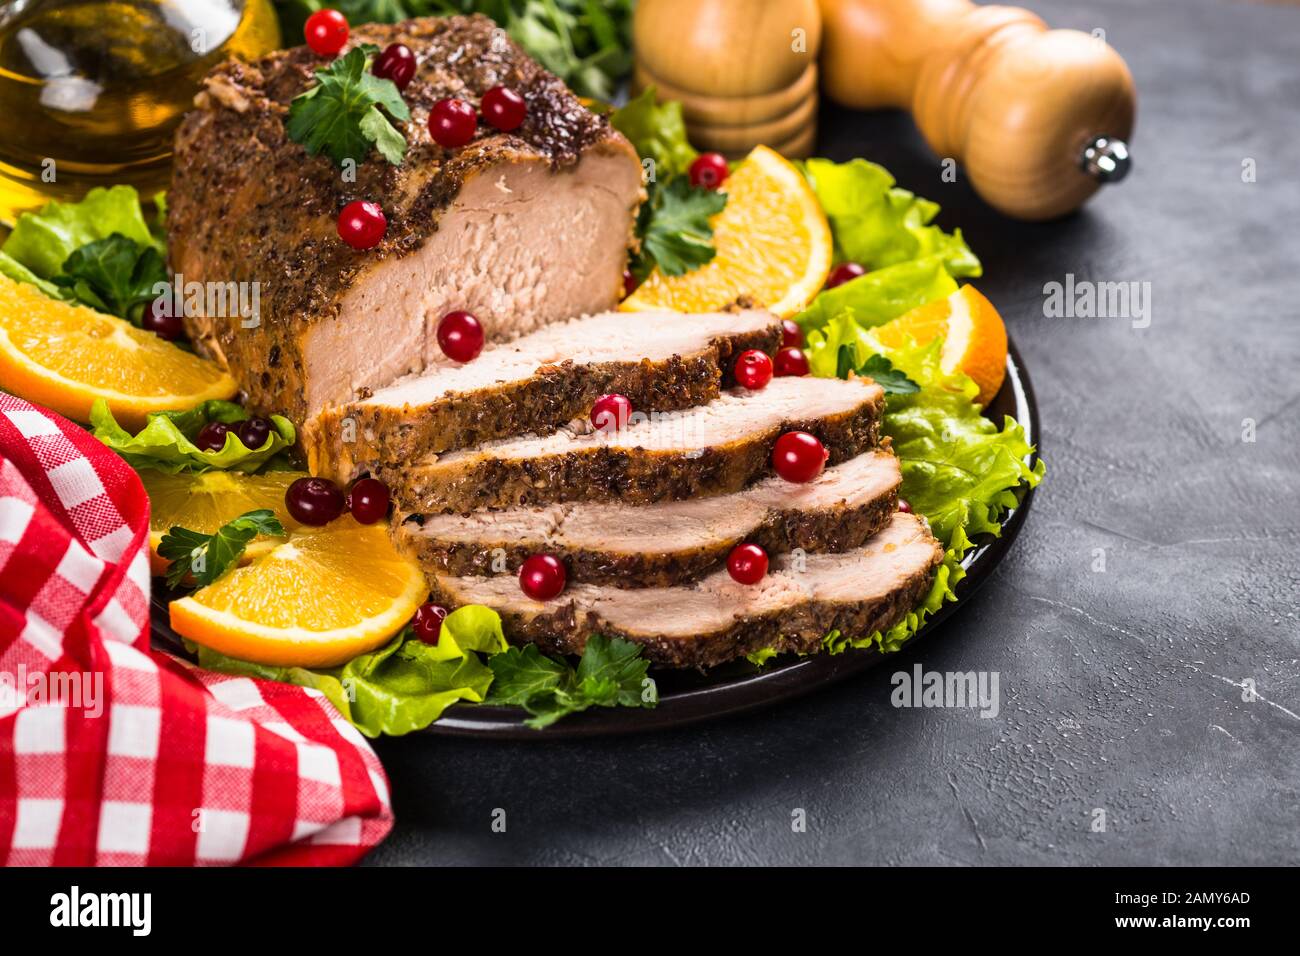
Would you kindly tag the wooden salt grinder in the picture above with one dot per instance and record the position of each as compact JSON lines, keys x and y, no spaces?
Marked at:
{"x":1040,"y":118}
{"x":744,"y":70}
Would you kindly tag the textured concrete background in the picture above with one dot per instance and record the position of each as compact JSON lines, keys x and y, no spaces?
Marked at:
{"x":1120,"y":690}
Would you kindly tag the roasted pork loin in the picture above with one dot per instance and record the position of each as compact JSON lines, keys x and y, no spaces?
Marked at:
{"x":710,"y":449}
{"x":660,"y":360}
{"x":670,"y":543}
{"x":529,"y":231}
{"x":522,"y":229}
{"x":855,"y":592}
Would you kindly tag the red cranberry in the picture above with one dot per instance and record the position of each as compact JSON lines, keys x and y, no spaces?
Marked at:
{"x":212,"y":436}
{"x":708,"y":171}
{"x":396,"y":63}
{"x":611,"y":413}
{"x":504,"y":108}
{"x":460,"y":336}
{"x":362,"y":224}
{"x":368,"y":500}
{"x":542,"y":577}
{"x":629,"y":283}
{"x":254,"y":432}
{"x":904,"y":506}
{"x":159,"y":320}
{"x":427,"y":623}
{"x":753,"y":369}
{"x":791,"y":334}
{"x":314,"y":501}
{"x":452,"y":123}
{"x":791,"y":362}
{"x":844,"y":272}
{"x":799,"y":457}
{"x":747,"y":563}
{"x":326,"y":31}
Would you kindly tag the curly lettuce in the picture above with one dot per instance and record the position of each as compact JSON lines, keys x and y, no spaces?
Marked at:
{"x":166,"y":443}
{"x":657,"y":131}
{"x":404,"y":685}
{"x":959,"y":469}
{"x":42,"y":241}
{"x":877,"y":297}
{"x":877,"y":224}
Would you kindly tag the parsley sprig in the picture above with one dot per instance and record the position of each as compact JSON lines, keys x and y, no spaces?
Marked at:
{"x":674,"y":227}
{"x":340,"y":116}
{"x":894,"y":381}
{"x":114,"y":275}
{"x":207,"y":556}
{"x":611,"y":673}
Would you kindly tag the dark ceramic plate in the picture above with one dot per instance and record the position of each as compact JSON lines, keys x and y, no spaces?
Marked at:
{"x":686,"y":697}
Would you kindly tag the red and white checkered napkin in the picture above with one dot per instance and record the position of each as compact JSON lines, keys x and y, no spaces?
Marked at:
{"x":113,"y":754}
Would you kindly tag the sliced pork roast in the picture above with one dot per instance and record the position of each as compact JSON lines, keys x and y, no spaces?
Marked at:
{"x":522,"y":229}
{"x":660,"y":360}
{"x":710,"y":449}
{"x":856,"y":592}
{"x":672,"y":542}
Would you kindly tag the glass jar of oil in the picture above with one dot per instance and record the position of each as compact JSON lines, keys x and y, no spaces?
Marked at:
{"x":92,"y":90}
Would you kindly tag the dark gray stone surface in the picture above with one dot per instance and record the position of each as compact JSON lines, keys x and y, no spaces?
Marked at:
{"x":1120,"y":690}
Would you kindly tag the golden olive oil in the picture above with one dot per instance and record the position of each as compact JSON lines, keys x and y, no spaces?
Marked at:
{"x":91,"y":91}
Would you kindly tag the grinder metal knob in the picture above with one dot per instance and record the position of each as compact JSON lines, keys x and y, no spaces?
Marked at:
{"x":1106,"y":159}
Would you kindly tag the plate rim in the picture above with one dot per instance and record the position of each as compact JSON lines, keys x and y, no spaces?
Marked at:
{"x":764,"y":687}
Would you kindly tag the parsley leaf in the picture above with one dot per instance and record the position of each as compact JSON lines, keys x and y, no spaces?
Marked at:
{"x":524,"y":673}
{"x":207,"y":556}
{"x":612,"y":673}
{"x":674,"y":227}
{"x":113,"y":274}
{"x":340,"y":115}
{"x":894,"y":381}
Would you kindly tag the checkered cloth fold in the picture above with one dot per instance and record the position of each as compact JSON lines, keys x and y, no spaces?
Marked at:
{"x":114,"y":754}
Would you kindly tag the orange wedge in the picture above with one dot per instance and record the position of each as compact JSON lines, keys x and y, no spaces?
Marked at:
{"x":206,"y":501}
{"x":318,"y":599}
{"x":772,"y":243}
{"x":65,"y":356}
{"x":974,"y":336}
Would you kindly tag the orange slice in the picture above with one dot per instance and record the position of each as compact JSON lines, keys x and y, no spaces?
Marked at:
{"x":65,"y":356}
{"x":772,"y":243}
{"x":206,"y":501}
{"x":316,"y":600}
{"x":974,"y":336}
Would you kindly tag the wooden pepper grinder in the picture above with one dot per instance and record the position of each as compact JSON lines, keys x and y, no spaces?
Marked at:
{"x":745,"y":71}
{"x":1040,"y":118}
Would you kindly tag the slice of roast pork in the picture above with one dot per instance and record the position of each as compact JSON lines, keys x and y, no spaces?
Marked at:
{"x":669,"y":543}
{"x":855,"y":592}
{"x":522,"y":229}
{"x":711,"y":449}
{"x":660,"y":360}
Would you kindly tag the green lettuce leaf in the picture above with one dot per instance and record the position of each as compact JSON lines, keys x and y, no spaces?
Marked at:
{"x":959,"y":469}
{"x":11,"y":267}
{"x":166,"y":443}
{"x":877,"y":297}
{"x":658,"y":133}
{"x":877,"y":224}
{"x":405,"y":685}
{"x":42,"y":241}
